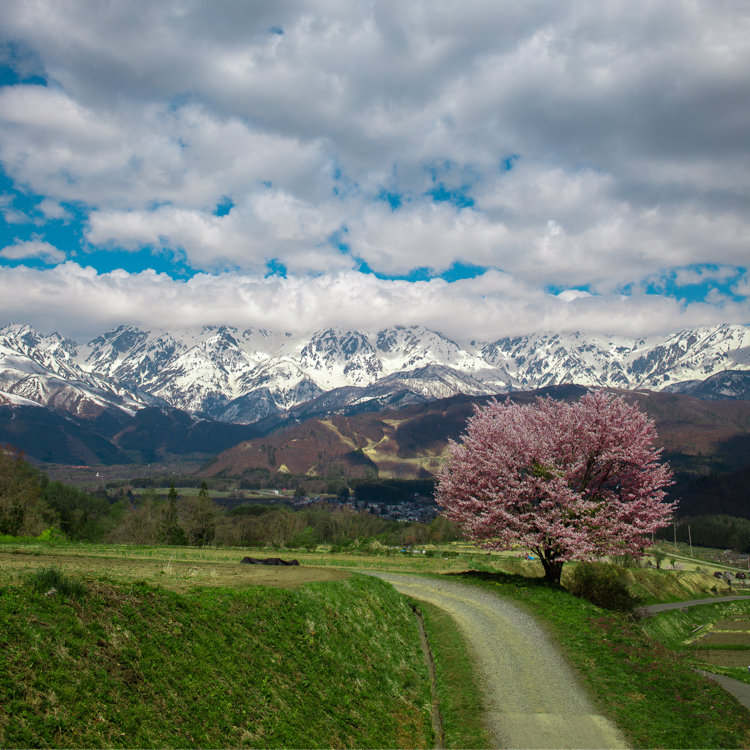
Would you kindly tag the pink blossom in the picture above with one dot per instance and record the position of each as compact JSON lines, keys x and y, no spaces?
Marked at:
{"x":567,"y":481}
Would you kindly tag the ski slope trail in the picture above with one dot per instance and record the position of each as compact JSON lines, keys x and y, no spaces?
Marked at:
{"x":532,"y":697}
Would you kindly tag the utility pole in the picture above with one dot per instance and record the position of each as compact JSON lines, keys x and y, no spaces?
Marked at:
{"x":690,"y":539}
{"x":674,"y":526}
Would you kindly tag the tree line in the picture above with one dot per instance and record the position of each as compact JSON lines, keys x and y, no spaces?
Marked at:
{"x":717,"y":531}
{"x":31,"y":503}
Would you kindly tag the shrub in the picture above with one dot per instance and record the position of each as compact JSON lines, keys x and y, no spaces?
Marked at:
{"x":49,"y":579}
{"x":603,"y":584}
{"x":52,"y":537}
{"x":369,"y":546}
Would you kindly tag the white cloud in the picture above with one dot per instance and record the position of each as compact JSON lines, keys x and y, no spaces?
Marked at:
{"x":427,"y":234}
{"x":36,"y":249}
{"x":488,"y":307}
{"x":53,"y":210}
{"x":688,"y":276}
{"x":742,"y":286}
{"x":570,"y":295}
{"x":133,"y":157}
{"x":267,"y":225}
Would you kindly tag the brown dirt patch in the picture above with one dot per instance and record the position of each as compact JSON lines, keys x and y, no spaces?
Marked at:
{"x":722,"y":639}
{"x":733,"y":623}
{"x":725,"y":658}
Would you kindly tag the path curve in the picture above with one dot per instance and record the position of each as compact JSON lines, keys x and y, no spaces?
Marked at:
{"x":532,"y":697}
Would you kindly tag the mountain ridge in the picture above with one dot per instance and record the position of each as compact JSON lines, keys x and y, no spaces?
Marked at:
{"x":246,"y":376}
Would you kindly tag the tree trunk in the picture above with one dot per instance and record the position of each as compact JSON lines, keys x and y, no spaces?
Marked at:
{"x":552,"y":568}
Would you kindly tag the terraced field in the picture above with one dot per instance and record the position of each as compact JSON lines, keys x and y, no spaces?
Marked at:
{"x":726,"y":643}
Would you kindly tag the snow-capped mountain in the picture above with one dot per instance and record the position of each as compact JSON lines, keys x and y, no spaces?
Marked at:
{"x":44,"y":369}
{"x":272,"y":387}
{"x":246,"y":375}
{"x":337,"y":357}
{"x":549,"y":359}
{"x":692,"y":355}
{"x":723,"y":386}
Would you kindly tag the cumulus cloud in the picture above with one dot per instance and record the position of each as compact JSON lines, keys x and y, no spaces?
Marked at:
{"x":53,"y":210}
{"x":35,"y":249}
{"x":266,"y":226}
{"x":699,"y":275}
{"x":137,"y":156}
{"x":741,"y":287}
{"x":430,"y":235}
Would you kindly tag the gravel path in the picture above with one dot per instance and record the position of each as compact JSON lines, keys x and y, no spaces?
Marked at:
{"x":532,"y":697}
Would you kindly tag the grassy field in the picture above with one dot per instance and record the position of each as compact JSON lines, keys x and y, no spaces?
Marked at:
{"x":692,"y":579}
{"x":170,"y":568}
{"x":163,"y":627}
{"x":219,"y":566}
{"x":330,"y":664}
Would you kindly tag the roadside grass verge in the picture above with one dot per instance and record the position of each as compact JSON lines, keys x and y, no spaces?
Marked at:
{"x":333,"y":664}
{"x":650,"y":691}
{"x":655,"y":586}
{"x":459,"y":697}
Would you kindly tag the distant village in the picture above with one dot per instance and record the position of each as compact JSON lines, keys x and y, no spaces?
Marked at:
{"x":415,"y":508}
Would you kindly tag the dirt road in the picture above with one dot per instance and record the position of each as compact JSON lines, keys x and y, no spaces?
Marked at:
{"x":652,"y":609}
{"x":532,"y":697}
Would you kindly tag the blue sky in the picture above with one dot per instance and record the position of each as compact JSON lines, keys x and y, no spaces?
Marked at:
{"x":485,"y":170}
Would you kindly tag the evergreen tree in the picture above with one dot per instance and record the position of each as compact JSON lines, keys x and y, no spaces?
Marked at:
{"x":171,"y":531}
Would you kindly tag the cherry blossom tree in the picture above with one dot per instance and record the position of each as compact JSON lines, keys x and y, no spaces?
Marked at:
{"x":563,"y":480}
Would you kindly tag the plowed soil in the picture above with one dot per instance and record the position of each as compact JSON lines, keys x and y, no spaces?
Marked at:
{"x":724,"y":639}
{"x":725,"y":658}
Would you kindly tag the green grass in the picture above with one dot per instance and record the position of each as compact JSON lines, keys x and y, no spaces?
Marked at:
{"x":635,"y":681}
{"x":51,"y":581}
{"x":674,"y":627}
{"x":652,"y":585}
{"x":459,"y":697}
{"x":103,"y":554}
{"x":326,"y":665}
{"x":650,"y":691}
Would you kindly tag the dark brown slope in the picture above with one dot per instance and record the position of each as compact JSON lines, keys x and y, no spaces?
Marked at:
{"x":699,"y":438}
